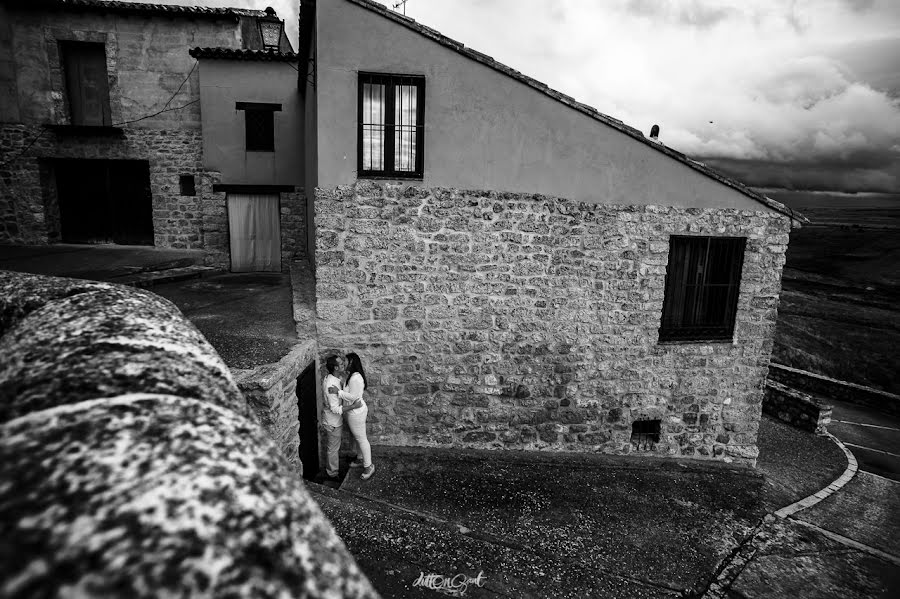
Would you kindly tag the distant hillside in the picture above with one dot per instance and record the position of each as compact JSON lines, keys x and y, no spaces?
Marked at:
{"x":840,"y":302}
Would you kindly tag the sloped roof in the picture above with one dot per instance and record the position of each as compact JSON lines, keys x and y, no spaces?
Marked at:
{"x":136,"y":7}
{"x":242,"y":54}
{"x":573,"y":103}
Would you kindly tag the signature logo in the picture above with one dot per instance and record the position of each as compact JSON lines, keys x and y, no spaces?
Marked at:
{"x":455,"y":586}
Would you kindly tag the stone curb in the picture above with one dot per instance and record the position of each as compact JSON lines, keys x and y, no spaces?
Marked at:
{"x":836,"y":485}
{"x":734,"y":566}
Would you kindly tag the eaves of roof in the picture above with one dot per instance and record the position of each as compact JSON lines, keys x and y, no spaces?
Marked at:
{"x":572,"y":103}
{"x":243,"y":54}
{"x":135,"y":8}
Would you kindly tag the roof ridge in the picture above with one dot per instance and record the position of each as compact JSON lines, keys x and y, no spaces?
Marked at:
{"x":119,"y":5}
{"x":613,"y":122}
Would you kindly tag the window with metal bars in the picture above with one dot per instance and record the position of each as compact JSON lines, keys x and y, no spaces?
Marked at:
{"x":703,"y":280}
{"x":391,"y":118}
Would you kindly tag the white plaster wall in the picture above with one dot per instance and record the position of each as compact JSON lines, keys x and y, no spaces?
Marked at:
{"x":225,"y":82}
{"x":486,"y":130}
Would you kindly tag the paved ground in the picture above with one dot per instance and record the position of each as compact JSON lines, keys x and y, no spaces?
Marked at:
{"x":874,"y":438}
{"x":95,"y":262}
{"x":601,"y":526}
{"x":247,"y":317}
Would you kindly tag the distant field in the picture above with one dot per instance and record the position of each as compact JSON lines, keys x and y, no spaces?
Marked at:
{"x":840,"y":303}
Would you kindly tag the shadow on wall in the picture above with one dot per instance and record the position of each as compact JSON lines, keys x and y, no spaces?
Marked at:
{"x":130,"y":465}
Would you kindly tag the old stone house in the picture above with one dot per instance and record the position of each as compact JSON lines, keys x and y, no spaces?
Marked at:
{"x":101,"y":134}
{"x":518,"y":270}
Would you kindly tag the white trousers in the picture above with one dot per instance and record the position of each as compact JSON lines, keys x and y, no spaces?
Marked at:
{"x":356,"y":420}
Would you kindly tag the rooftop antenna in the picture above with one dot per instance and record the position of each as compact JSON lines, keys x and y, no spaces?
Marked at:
{"x":401,"y":3}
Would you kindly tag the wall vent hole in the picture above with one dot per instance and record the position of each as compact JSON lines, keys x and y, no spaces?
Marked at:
{"x":644,"y":434}
{"x":186,"y":185}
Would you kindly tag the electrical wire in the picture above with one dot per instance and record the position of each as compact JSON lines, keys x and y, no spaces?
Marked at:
{"x":22,"y":152}
{"x":165,"y":108}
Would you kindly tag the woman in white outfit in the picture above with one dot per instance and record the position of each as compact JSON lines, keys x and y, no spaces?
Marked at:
{"x":356,"y":418}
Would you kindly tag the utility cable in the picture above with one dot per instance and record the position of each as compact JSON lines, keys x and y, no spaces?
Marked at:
{"x":165,"y":108}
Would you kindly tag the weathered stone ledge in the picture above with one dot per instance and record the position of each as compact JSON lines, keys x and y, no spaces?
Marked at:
{"x":129,"y":465}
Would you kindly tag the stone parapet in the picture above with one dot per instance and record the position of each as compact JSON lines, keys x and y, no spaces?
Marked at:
{"x":497,"y":320}
{"x":271,"y":393}
{"x":797,"y":409}
{"x":130,"y":465}
{"x":829,"y":388}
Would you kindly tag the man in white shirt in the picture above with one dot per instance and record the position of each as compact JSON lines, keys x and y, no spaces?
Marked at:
{"x":332,"y":420}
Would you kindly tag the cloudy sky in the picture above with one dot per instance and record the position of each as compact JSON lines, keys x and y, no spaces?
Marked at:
{"x":802,"y":93}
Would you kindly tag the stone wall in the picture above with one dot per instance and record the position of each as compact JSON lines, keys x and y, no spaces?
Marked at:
{"x":271,"y":393}
{"x":834,"y":389}
{"x":496,"y":320}
{"x":797,"y":409}
{"x":293,"y":227}
{"x":29,"y":212}
{"x":133,"y":467}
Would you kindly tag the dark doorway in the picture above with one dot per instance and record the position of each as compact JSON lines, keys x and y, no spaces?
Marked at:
{"x":104,"y":201}
{"x":309,"y":422}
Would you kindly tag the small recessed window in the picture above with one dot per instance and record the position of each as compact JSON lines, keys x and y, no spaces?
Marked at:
{"x":391,"y":114}
{"x":703,"y":279}
{"x":644,"y":434}
{"x":186,"y":183}
{"x":259,"y":125}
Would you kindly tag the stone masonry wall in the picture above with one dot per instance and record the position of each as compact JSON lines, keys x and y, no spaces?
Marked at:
{"x":271,"y":392}
{"x":798,"y":409}
{"x":498,"y":320}
{"x":29,"y":212}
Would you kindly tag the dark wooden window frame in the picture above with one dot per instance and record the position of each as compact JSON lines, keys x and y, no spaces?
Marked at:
{"x":389,"y":81}
{"x":701,"y":293}
{"x":253,"y":141}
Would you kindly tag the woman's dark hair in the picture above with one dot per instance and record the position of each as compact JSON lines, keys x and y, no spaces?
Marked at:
{"x":331,"y":363}
{"x":354,"y":364}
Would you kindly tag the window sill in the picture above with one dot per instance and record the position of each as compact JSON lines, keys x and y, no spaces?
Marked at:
{"x":392,"y":177}
{"x":696,"y":342}
{"x":87,"y":130}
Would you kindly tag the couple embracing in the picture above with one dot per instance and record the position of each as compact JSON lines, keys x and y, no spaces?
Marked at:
{"x":346,"y":401}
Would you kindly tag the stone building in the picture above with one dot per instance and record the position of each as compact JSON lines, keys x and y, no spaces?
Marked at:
{"x":518,"y":270}
{"x":250,"y":111}
{"x":100,"y":123}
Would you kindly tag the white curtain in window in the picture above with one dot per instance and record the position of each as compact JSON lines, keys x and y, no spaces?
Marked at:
{"x":253,"y":222}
